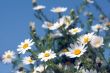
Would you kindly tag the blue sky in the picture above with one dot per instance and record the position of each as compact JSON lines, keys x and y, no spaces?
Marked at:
{"x":15,"y":16}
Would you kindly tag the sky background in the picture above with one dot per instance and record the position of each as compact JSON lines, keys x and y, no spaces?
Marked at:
{"x":15,"y":16}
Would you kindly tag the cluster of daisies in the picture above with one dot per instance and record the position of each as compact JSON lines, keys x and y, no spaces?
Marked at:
{"x":76,"y":49}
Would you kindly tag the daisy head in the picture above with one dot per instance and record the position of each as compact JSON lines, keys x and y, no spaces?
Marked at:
{"x":54,"y":26}
{"x":107,"y":24}
{"x":67,"y":21}
{"x":96,"y":27}
{"x":24,"y":46}
{"x":8,"y":56}
{"x":39,"y":7}
{"x":84,"y":39}
{"x":28,"y":60}
{"x":58,"y":9}
{"x":47,"y":55}
{"x":47,"y":25}
{"x":39,"y":69}
{"x":96,"y":41}
{"x":63,"y":52}
{"x":76,"y":50}
{"x":73,"y":31}
{"x":90,"y":1}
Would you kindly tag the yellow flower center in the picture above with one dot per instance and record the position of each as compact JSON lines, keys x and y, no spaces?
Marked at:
{"x":8,"y":56}
{"x":49,"y":25}
{"x":77,"y":51}
{"x":98,"y":27}
{"x":68,"y":63}
{"x":108,"y":24}
{"x":30,"y":60}
{"x":86,"y":39}
{"x":25,"y":46}
{"x":75,"y":30}
{"x":65,"y":50}
{"x":57,"y":9}
{"x":47,"y":55}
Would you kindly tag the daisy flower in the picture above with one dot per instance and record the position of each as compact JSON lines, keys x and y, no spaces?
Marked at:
{"x":24,"y":46}
{"x":47,"y":55}
{"x":28,"y":60}
{"x":54,"y":26}
{"x":39,"y":7}
{"x":39,"y":69}
{"x":85,"y":38}
{"x":59,"y":9}
{"x":67,"y":21}
{"x":96,"y":41}
{"x":47,"y":25}
{"x":73,"y":31}
{"x":96,"y":27}
{"x":90,"y":1}
{"x":8,"y":56}
{"x":76,"y":50}
{"x":64,"y":51}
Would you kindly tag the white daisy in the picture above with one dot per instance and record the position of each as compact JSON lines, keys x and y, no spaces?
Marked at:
{"x":47,"y":55}
{"x":47,"y":25}
{"x":67,"y":21}
{"x":8,"y":56}
{"x":73,"y":31}
{"x":76,"y":50}
{"x":39,"y":7}
{"x":59,"y":9}
{"x":50,"y":26}
{"x":63,"y":52}
{"x":39,"y":69}
{"x":24,"y":46}
{"x":90,"y":1}
{"x":84,"y":39}
{"x":28,"y":60}
{"x":96,"y":41}
{"x":96,"y":27}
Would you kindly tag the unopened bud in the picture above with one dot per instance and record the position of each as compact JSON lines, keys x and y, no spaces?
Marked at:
{"x":98,"y":60}
{"x":33,"y":1}
{"x":32,"y":26}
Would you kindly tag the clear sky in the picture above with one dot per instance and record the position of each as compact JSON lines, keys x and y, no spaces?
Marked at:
{"x":16,"y":14}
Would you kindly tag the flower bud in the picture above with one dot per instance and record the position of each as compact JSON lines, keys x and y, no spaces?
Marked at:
{"x":32,"y":26}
